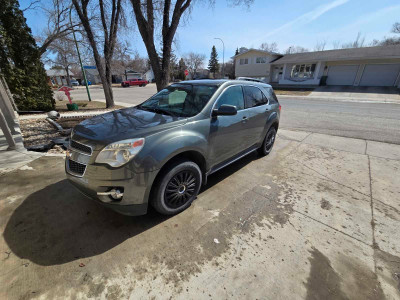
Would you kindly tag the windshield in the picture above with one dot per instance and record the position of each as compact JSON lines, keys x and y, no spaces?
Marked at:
{"x":182,"y":100}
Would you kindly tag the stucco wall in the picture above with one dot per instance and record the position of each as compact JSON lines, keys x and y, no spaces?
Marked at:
{"x":252,"y":69}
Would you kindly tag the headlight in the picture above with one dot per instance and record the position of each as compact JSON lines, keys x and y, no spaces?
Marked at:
{"x":119,"y":153}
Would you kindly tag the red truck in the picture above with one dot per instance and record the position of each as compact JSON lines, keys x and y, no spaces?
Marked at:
{"x":136,"y":81}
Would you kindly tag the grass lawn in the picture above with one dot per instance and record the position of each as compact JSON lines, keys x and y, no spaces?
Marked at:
{"x":61,"y":106}
{"x":297,"y":92}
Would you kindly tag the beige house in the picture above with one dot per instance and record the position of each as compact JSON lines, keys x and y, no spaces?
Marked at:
{"x":368,"y":66}
{"x":254,"y":63}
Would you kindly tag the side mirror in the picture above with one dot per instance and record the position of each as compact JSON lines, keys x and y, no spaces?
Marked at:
{"x":225,"y":110}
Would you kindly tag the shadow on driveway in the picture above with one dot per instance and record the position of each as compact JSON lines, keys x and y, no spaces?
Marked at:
{"x":57,"y":224}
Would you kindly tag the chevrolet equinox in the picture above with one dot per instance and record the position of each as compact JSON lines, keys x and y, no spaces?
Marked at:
{"x":161,"y":151}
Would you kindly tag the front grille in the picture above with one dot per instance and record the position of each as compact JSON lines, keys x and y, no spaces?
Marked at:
{"x":81,"y":147}
{"x":76,"y":168}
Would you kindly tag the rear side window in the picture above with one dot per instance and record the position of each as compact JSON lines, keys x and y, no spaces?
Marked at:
{"x":271,"y":95}
{"x":232,"y":96}
{"x":254,"y":96}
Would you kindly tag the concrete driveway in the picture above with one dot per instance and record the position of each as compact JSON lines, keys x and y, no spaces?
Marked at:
{"x":317,"y":219}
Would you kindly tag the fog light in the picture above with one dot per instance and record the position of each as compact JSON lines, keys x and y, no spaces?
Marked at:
{"x":115,"y":194}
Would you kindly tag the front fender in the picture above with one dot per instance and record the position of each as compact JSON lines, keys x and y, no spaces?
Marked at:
{"x":164,"y":146}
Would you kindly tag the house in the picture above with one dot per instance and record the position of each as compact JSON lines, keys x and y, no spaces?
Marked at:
{"x":149,"y":75}
{"x":58,"y":76}
{"x":369,"y":66}
{"x":254,"y":63}
{"x":92,"y":74}
{"x":130,"y":74}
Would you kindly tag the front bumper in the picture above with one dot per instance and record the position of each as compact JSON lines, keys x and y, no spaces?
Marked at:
{"x":101,"y":178}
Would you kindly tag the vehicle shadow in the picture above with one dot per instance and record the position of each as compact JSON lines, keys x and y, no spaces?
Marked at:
{"x":57,"y":224}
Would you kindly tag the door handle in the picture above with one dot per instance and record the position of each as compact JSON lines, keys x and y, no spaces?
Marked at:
{"x":244,"y":119}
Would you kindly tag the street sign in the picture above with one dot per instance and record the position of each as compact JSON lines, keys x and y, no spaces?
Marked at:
{"x":186,"y":72}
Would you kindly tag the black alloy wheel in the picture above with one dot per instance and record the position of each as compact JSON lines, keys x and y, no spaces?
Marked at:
{"x":180,"y":189}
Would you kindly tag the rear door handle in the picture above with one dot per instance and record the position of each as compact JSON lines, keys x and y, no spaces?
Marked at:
{"x":244,"y":119}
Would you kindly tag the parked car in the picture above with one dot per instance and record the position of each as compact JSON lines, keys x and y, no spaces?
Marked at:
{"x":74,"y":82}
{"x":140,"y":82}
{"x":162,"y":151}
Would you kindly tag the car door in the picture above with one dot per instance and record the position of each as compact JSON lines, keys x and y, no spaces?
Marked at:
{"x":258,"y":111}
{"x":227,"y":132}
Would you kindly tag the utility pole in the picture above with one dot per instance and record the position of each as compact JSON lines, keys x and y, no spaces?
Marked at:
{"x":79,"y":56}
{"x":223,"y":56}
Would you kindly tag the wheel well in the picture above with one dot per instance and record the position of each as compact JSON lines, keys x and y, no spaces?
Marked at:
{"x":194,"y":156}
{"x":275,"y":125}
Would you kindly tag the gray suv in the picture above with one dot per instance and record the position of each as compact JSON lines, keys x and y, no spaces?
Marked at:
{"x":161,"y":151}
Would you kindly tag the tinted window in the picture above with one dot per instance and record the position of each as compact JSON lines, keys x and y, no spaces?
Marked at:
{"x":271,"y":95}
{"x":232,"y":96}
{"x":254,"y":96}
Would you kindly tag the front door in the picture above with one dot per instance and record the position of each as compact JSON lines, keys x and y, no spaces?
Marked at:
{"x":227,"y":133}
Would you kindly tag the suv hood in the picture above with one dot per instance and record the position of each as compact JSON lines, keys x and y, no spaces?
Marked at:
{"x":125,"y":124}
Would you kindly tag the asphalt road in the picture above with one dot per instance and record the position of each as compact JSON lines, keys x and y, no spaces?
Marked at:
{"x":370,"y":121}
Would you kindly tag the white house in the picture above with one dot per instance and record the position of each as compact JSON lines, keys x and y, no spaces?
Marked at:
{"x":369,"y":66}
{"x":149,"y":75}
{"x":58,"y":76}
{"x":254,"y":63}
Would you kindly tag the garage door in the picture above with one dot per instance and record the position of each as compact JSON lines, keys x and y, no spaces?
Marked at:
{"x":380,"y":75}
{"x":342,"y":75}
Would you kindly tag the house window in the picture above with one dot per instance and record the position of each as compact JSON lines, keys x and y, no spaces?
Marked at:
{"x":261,"y":60}
{"x":244,"y":61}
{"x":303,"y":71}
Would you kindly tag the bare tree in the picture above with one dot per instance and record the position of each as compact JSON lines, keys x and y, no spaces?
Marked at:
{"x":65,"y":55}
{"x":58,"y":23}
{"x":270,"y":47}
{"x":296,"y":49}
{"x":145,"y":18}
{"x":335,"y":44}
{"x":396,"y":27}
{"x":358,"y":42}
{"x":110,"y":14}
{"x":320,"y":46}
{"x":148,"y":14}
{"x":193,"y":62}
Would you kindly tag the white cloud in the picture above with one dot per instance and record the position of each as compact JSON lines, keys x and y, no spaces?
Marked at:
{"x":305,"y":18}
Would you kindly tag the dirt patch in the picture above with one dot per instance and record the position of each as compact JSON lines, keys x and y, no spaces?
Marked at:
{"x":295,"y":92}
{"x":325,"y":204}
{"x":61,"y":106}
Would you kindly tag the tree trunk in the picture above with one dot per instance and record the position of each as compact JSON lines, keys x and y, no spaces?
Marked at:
{"x":105,"y":75}
{"x":107,"y":85}
{"x":68,"y":79}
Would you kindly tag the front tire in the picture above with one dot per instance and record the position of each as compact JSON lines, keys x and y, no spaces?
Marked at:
{"x":268,"y":142}
{"x":176,"y":188}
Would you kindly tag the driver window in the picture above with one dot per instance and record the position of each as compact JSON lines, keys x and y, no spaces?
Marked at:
{"x":232,"y":96}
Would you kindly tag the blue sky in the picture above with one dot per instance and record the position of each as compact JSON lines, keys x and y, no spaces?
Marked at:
{"x":303,"y":23}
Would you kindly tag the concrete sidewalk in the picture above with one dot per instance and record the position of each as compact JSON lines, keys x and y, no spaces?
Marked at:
{"x":351,"y":94}
{"x":13,"y":159}
{"x":316,"y":219}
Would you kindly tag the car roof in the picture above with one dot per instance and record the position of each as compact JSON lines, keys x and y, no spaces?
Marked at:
{"x":219,"y":82}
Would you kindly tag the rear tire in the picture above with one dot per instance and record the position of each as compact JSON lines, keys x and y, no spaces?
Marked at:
{"x":176,"y":188}
{"x":268,"y":142}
